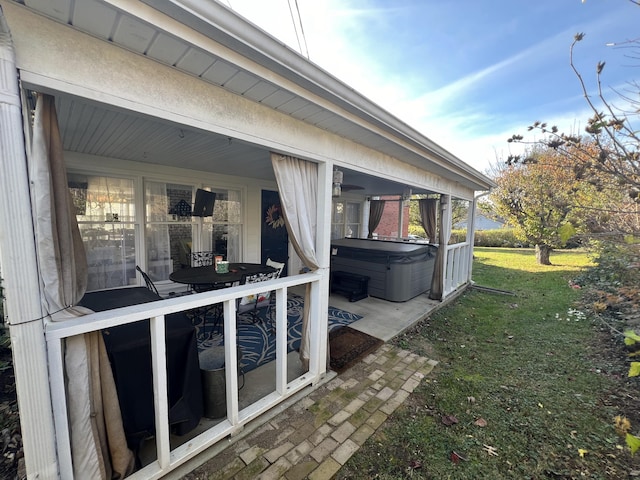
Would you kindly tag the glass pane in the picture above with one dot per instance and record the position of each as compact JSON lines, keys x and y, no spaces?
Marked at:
{"x":353,"y":212}
{"x":102,"y":199}
{"x":233,"y":243}
{"x":336,"y":230}
{"x":159,"y":255}
{"x":180,"y":244}
{"x":223,"y":240}
{"x":168,"y":202}
{"x":110,"y":251}
{"x":338,"y":212}
{"x":227,"y":208}
{"x":353,"y":230}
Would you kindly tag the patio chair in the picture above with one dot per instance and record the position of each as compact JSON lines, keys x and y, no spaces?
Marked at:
{"x":277,"y":265}
{"x":202,"y":259}
{"x":147,"y":280}
{"x":253,"y":303}
{"x":272,"y":299}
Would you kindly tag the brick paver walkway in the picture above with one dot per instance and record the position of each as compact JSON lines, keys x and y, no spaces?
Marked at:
{"x":314,"y":437}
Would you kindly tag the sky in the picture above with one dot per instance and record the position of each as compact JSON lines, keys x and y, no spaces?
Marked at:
{"x":468,"y":74}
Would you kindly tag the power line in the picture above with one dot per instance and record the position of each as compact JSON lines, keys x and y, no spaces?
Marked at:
{"x":295,"y":28}
{"x":300,"y":36}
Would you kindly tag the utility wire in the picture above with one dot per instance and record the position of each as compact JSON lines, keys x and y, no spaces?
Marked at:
{"x":295,"y":28}
{"x":304,"y":37}
{"x":304,"y":52}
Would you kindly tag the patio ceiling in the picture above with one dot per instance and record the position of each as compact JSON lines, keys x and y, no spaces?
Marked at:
{"x":294,"y":87}
{"x":92,"y":129}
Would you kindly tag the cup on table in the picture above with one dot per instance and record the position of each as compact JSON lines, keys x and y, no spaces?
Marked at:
{"x":222,"y":267}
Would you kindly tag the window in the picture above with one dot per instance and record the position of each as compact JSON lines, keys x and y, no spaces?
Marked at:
{"x":346,"y":219}
{"x":169,"y":228}
{"x":222,"y":231}
{"x":112,"y":230}
{"x":171,"y":232}
{"x":105,"y":210}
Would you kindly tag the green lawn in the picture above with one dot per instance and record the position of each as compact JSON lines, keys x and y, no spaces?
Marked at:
{"x":523,"y":388}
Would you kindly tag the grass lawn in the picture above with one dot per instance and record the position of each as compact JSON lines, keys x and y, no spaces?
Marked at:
{"x":527,"y":385}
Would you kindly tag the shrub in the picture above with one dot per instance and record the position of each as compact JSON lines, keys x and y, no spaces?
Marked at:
{"x":417,"y":230}
{"x":617,"y":264}
{"x":501,"y":237}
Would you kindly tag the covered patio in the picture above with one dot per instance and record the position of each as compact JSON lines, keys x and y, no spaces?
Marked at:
{"x":155,"y":101}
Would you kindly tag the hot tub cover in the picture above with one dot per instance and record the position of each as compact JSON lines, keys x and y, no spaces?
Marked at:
{"x":382,"y":251}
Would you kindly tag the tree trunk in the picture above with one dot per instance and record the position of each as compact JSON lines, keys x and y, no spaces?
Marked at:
{"x":542,"y":254}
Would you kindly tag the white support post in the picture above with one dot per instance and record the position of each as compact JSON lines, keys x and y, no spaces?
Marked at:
{"x":319,"y":322}
{"x":445,"y":211}
{"x":400,"y":218}
{"x":471,"y":232}
{"x":281,"y":340}
{"x":160,"y":389}
{"x":20,"y":277}
{"x":231,"y":361}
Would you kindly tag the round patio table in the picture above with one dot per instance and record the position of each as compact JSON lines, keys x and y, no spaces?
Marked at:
{"x":208,"y":275}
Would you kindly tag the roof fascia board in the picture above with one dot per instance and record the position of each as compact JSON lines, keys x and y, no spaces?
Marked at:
{"x":213,"y":19}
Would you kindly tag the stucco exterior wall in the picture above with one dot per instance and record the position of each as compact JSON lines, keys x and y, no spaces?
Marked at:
{"x":54,"y":57}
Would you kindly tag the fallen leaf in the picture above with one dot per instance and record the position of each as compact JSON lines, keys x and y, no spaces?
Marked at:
{"x":449,"y":420}
{"x":456,"y":457}
{"x":633,"y":442}
{"x":415,"y":464}
{"x":582,"y":451}
{"x":490,"y":450}
{"x":481,"y":422}
{"x":471,"y":399}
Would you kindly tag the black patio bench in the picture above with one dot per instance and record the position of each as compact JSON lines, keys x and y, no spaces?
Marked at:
{"x":355,"y":287}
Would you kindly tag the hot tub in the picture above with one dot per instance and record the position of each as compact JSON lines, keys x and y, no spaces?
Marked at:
{"x":397,"y":271}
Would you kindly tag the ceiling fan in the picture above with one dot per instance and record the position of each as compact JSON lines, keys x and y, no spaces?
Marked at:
{"x":339,"y":187}
{"x":348,"y":188}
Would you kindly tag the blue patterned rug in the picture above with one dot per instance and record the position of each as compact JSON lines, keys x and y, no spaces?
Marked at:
{"x":257,"y":338}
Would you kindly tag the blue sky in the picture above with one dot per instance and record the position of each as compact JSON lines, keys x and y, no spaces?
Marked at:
{"x":467,"y":74}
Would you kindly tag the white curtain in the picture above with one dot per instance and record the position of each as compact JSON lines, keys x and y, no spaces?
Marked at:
{"x":94,"y":414}
{"x":298,"y":189}
{"x":159,"y":263}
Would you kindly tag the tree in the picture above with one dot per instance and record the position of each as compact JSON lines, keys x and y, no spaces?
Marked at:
{"x":608,"y":154}
{"x":539,"y":198}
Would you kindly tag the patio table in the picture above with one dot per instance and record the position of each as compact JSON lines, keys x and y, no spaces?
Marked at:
{"x":208,"y":276}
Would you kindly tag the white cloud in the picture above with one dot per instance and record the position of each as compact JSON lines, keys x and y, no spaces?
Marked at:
{"x":454,"y":116}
